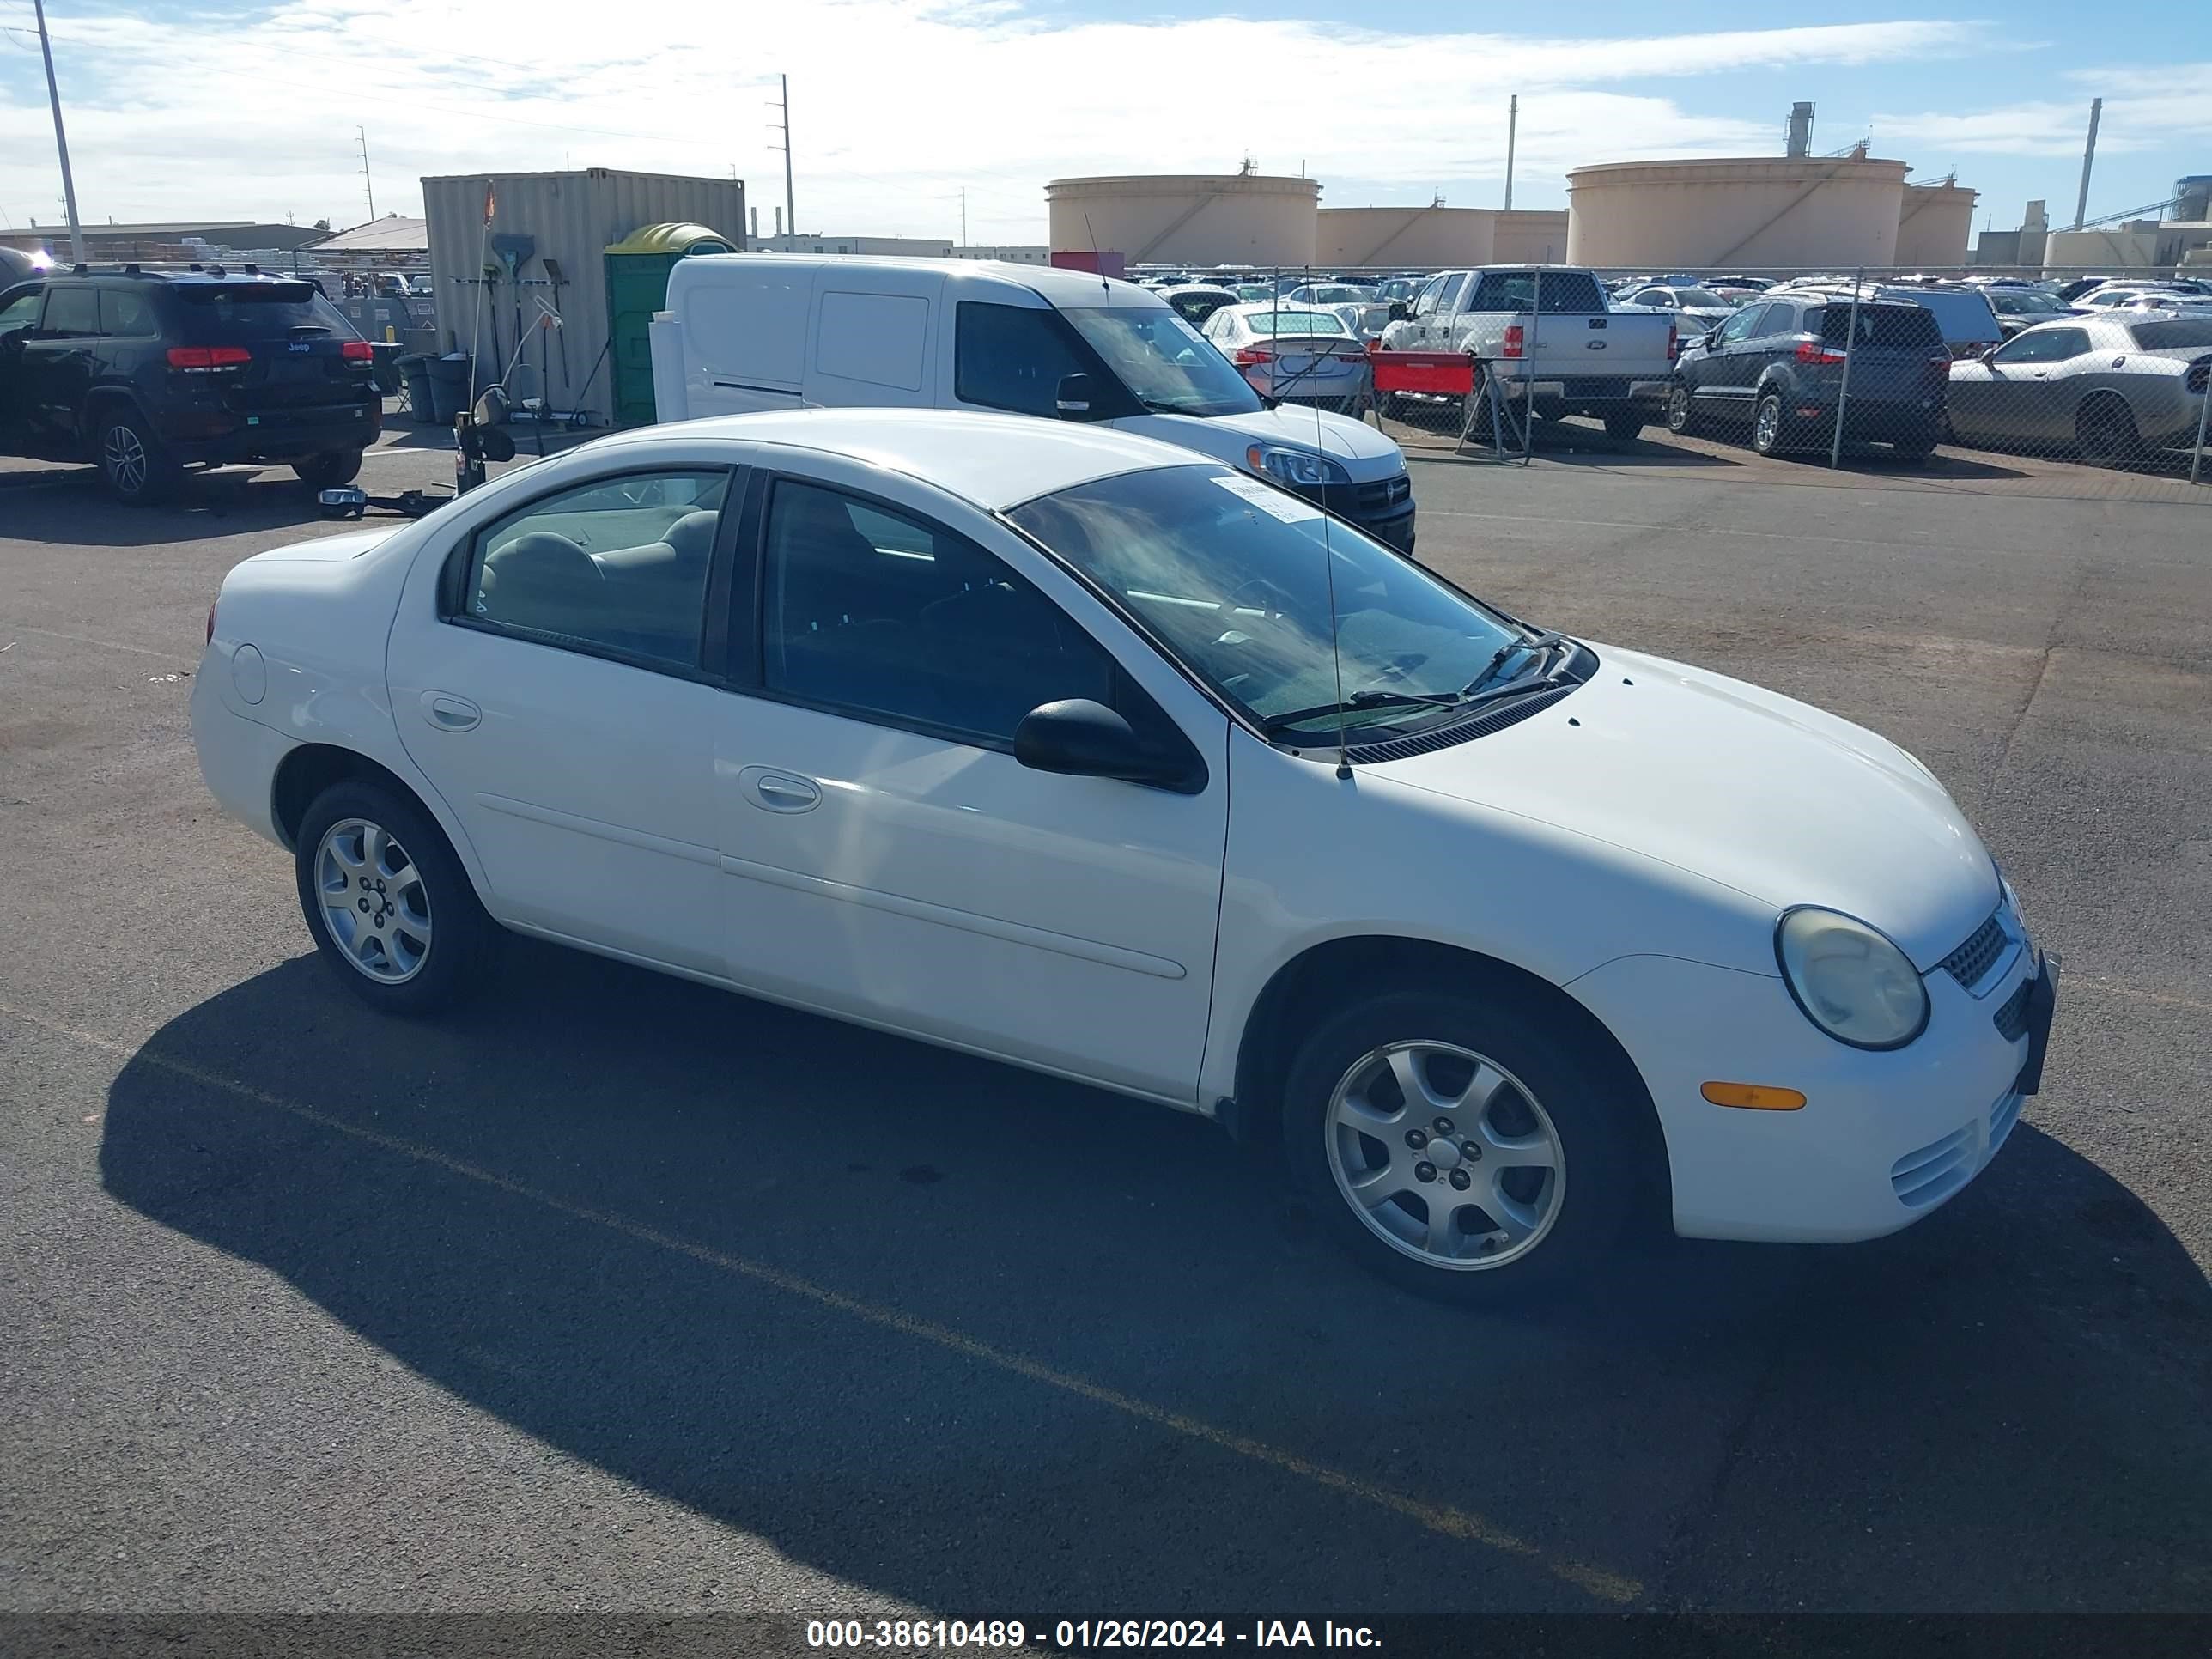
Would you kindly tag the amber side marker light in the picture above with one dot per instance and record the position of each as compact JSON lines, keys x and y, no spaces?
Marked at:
{"x":1753,"y":1097}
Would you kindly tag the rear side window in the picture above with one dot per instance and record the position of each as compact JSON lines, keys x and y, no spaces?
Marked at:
{"x":2181,"y":334}
{"x":70,"y":311}
{"x":255,"y":311}
{"x":1013,"y":357}
{"x":1884,"y":327}
{"x":122,"y":310}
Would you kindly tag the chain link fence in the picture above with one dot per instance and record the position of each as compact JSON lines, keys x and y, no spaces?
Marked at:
{"x":2087,"y":383}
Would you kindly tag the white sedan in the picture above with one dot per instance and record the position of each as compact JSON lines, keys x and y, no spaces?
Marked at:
{"x":1071,"y":749}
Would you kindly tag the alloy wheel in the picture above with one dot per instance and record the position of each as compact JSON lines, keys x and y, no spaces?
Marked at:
{"x":1768,"y":432}
{"x":1677,"y":409}
{"x":1445,"y":1155}
{"x":124,"y":457}
{"x":374,"y":902}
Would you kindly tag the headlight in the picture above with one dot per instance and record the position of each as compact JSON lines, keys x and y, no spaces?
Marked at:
{"x":1300,"y":467}
{"x":1850,"y":979}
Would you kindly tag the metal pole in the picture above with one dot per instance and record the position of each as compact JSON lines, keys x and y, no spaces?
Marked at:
{"x":790,"y":207}
{"x":2088,"y":159}
{"x":1844,"y":392}
{"x":2196,"y":458}
{"x":367,"y":183}
{"x":1512,"y":132}
{"x":61,"y":138}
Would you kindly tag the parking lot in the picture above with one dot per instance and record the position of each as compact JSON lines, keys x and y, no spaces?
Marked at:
{"x":619,"y":1293}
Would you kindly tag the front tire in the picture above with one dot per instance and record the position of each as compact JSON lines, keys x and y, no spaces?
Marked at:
{"x":391,"y":909}
{"x":132,"y":462}
{"x":1466,"y":1147}
{"x":330,"y":469}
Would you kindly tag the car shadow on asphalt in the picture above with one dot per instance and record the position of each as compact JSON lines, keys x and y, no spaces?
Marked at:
{"x":75,"y":510}
{"x":942,"y":1328}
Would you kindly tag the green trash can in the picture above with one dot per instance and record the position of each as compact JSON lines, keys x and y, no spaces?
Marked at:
{"x":637,"y":286}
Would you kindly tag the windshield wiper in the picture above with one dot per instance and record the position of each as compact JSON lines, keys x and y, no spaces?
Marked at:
{"x":1506,"y":653}
{"x":1361,"y":699}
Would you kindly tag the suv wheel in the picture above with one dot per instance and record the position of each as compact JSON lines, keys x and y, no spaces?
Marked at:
{"x":1466,"y":1147}
{"x":330,"y":469}
{"x":1680,"y":418}
{"x":1768,"y":435}
{"x":131,"y":459}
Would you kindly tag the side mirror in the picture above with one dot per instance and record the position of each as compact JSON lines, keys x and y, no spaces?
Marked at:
{"x":1073,"y":398}
{"x":1400,"y":311}
{"x":1081,"y":738}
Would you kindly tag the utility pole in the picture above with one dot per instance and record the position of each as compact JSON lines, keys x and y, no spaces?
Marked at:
{"x":61,"y":138}
{"x":963,"y":216}
{"x":790,"y":207}
{"x":2088,"y":159}
{"x":366,"y":183}
{"x":1512,"y":132}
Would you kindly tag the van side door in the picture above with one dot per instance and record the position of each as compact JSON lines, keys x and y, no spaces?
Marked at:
{"x":874,"y":338}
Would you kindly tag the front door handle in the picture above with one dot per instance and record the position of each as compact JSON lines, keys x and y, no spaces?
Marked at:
{"x":449,"y":713}
{"x":782,"y":791}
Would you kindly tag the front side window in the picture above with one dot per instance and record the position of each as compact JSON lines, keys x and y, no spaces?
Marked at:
{"x":872,"y":612}
{"x":2044,"y":345}
{"x":1233,"y":577}
{"x":20,"y":312}
{"x":617,"y":567}
{"x":1426,"y":300}
{"x":1168,"y":365}
{"x":1013,"y":357}
{"x":1745,"y":324}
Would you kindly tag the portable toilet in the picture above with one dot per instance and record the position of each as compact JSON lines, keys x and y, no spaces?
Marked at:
{"x":637,"y":286}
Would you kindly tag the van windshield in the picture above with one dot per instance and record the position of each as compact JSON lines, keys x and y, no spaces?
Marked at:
{"x":1169,"y":367}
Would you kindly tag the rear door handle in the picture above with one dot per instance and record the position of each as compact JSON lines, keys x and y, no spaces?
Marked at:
{"x":449,"y":713}
{"x":782,"y":791}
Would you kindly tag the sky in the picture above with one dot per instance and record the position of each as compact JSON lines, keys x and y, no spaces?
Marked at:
{"x":899,"y":106}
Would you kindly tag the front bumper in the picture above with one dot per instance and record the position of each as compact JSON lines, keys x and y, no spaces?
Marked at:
{"x":1883,"y":1138}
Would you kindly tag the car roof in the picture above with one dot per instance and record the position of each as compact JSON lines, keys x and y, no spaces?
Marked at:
{"x":991,"y":461}
{"x":1050,"y":282}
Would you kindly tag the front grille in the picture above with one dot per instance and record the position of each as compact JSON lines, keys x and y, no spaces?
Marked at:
{"x":1381,"y":497}
{"x":2002,"y":1116}
{"x":1971,"y":963}
{"x":1509,"y":714}
{"x":2011,"y":1019}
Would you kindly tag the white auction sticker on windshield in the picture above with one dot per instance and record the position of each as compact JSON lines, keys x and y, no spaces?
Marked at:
{"x":1289,"y":508}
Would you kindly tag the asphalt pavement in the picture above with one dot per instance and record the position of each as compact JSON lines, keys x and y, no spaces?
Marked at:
{"x":617,"y":1293}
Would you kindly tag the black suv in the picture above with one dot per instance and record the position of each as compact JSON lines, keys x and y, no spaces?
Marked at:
{"x":1777,"y":367}
{"x":146,"y":373}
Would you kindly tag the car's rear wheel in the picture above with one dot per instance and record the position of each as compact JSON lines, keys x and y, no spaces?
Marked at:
{"x":132,"y":462}
{"x":1624,"y":425}
{"x":1769,"y":432}
{"x":2104,"y":427}
{"x":330,"y":469}
{"x":1682,"y":418}
{"x":389,"y":905}
{"x":1469,"y":1149}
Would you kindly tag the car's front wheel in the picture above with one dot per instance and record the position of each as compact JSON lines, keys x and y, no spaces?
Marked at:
{"x":1467,"y":1148}
{"x":389,"y":905}
{"x":330,"y":469}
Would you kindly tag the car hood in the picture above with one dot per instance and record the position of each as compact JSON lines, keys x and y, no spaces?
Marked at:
{"x":1742,"y":786}
{"x":1367,"y":453}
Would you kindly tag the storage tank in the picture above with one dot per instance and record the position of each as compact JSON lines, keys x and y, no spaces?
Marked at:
{"x":1781,"y":211}
{"x":1529,"y":236}
{"x":1934,"y":226}
{"x":2100,"y":250}
{"x":1194,"y":219}
{"x":1409,"y":237}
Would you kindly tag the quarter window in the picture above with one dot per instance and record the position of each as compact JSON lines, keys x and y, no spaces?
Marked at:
{"x":618,"y":567}
{"x":869,"y":612}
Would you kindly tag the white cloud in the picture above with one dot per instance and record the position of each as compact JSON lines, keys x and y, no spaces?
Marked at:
{"x":897,"y":104}
{"x":2147,"y":108}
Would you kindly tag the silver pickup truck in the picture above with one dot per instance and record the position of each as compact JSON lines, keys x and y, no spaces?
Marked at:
{"x":1560,"y":344}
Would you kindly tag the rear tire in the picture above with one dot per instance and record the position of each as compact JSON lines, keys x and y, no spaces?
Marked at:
{"x":1915,"y":450}
{"x":1536,"y":1127}
{"x":2104,"y":427}
{"x":330,"y":469}
{"x":1769,"y":430}
{"x":413,"y":938}
{"x":1622,"y":428}
{"x":1681,"y":414}
{"x":132,"y":462}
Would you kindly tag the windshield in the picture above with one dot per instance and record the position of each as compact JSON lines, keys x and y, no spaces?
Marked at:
{"x":2024,"y":305}
{"x":1703,"y":298}
{"x":257,"y":311}
{"x":1228,"y":573}
{"x":1284,"y":324}
{"x":1169,"y":366}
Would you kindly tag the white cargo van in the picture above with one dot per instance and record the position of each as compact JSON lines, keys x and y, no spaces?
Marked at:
{"x":748,"y":331}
